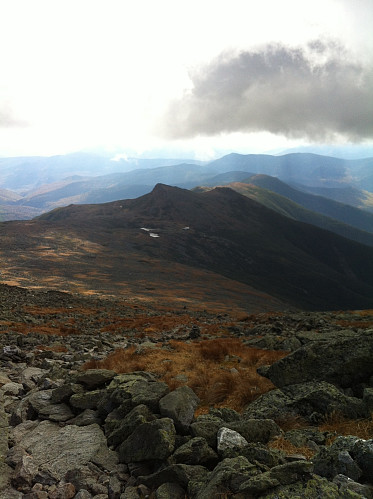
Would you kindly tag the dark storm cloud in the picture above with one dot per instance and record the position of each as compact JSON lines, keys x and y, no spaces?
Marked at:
{"x":315,"y":92}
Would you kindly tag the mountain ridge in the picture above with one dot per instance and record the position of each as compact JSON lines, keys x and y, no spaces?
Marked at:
{"x":226,"y":233}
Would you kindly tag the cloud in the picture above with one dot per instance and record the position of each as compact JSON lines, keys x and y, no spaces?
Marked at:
{"x":316,"y":92}
{"x":7,"y":118}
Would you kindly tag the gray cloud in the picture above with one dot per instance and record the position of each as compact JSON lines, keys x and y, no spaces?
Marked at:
{"x":316,"y":92}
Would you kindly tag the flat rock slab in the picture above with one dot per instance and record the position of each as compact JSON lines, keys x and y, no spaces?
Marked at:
{"x":63,"y":449}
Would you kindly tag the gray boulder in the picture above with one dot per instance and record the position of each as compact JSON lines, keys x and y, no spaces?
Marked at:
{"x":94,"y":378}
{"x":196,"y":451}
{"x":62,"y":449}
{"x":180,"y":406}
{"x":207,"y":426}
{"x":230,"y":441}
{"x":310,"y":400}
{"x":346,"y":485}
{"x":256,"y":430}
{"x":86,"y":400}
{"x":181,"y":474}
{"x":148,"y":393}
{"x":149,"y":441}
{"x":344,"y":362}
{"x":139,"y":415}
{"x":170,"y":491}
{"x":226,"y":477}
{"x":362,"y":452}
{"x":283,"y":474}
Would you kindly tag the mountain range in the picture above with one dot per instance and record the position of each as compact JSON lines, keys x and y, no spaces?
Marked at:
{"x":187,"y":242}
{"x":260,"y":231}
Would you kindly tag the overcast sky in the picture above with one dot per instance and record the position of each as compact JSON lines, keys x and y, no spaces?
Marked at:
{"x":243,"y":75}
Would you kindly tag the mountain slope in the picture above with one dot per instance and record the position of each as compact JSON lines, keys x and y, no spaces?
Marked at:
{"x":290,"y":209}
{"x":236,"y":237}
{"x":350,"y":215}
{"x":353,"y":196}
{"x":302,"y":168}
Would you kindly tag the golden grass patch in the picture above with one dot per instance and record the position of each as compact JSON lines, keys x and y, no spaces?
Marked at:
{"x":221,"y":371}
{"x":336,"y":422}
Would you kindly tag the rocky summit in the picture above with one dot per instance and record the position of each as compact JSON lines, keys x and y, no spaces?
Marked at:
{"x":73,"y":429}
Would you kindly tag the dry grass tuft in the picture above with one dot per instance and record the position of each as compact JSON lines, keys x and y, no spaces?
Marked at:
{"x":292,"y":422}
{"x":336,"y":422}
{"x":280,"y":443}
{"x":221,"y":371}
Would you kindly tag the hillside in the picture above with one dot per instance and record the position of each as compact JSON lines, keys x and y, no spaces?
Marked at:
{"x":350,"y":215}
{"x":85,"y":379}
{"x":353,"y":196}
{"x":48,"y":183}
{"x":290,"y":209}
{"x":202,"y":239}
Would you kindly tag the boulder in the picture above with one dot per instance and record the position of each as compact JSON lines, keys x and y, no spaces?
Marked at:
{"x":63,"y":449}
{"x":331,"y":461}
{"x":362,"y":452}
{"x":139,"y":415}
{"x":207,"y":426}
{"x":256,"y":430}
{"x":226,"y":477}
{"x":56,"y":412}
{"x":346,"y":485}
{"x":170,"y":491}
{"x":86,"y":400}
{"x":344,"y":362}
{"x":180,"y":406}
{"x":283,"y":474}
{"x":180,"y":474}
{"x":94,"y":378}
{"x":149,"y":441}
{"x":196,"y":451}
{"x":229,"y":441}
{"x":311,"y":400}
{"x":148,"y":393}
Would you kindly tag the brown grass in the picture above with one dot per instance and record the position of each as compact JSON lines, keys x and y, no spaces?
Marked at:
{"x":280,"y":443}
{"x":336,"y":422}
{"x":221,"y":371}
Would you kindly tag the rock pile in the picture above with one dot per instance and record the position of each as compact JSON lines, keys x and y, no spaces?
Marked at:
{"x":68,"y":433}
{"x":98,"y":434}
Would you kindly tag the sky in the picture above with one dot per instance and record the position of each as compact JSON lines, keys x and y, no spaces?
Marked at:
{"x":192,"y":77}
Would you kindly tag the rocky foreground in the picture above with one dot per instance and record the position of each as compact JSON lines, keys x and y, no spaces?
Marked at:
{"x":68,"y":432}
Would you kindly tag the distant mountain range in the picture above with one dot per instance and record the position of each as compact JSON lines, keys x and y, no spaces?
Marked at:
{"x":327,"y":186}
{"x":218,"y":234}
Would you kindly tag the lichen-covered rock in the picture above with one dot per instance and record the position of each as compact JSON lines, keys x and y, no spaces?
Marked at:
{"x":148,"y":393}
{"x":226,"y":477}
{"x":149,"y":441}
{"x":256,"y":430}
{"x":139,"y":415}
{"x":311,"y":400}
{"x":283,"y":474}
{"x":346,"y":485}
{"x":170,"y":491}
{"x":336,"y":459}
{"x":315,"y":487}
{"x":180,"y":474}
{"x":343,"y":362}
{"x":63,"y":449}
{"x":94,"y":378}
{"x":196,"y":451}
{"x":180,"y":406}
{"x":86,"y":400}
{"x":362,"y":452}
{"x":230,"y":441}
{"x":207,"y":426}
